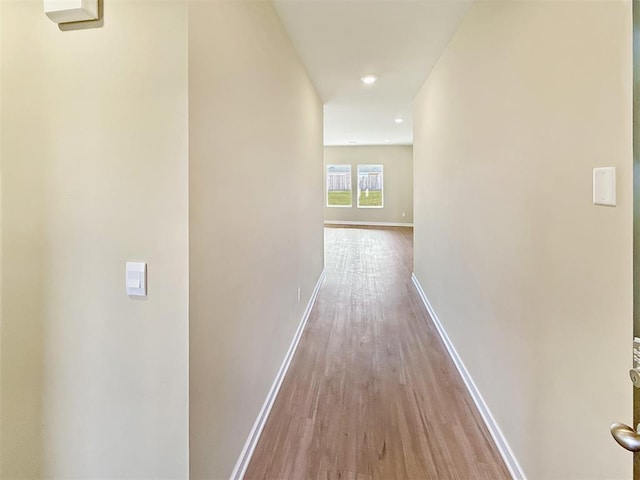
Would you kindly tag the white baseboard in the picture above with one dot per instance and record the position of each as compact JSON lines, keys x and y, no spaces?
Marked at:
{"x":254,"y":435}
{"x":368,"y":224}
{"x":498,"y":437}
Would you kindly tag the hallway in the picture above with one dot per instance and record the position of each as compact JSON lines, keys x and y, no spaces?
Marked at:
{"x":371,"y":392}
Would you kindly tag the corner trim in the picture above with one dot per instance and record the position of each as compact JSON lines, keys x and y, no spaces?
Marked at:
{"x":498,"y":437}
{"x":368,"y":224}
{"x":254,"y":435}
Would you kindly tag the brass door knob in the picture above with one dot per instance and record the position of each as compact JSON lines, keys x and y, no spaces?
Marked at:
{"x":626,"y":436}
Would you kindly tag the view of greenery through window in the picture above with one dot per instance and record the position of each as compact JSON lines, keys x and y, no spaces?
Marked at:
{"x":370,"y":186}
{"x":338,"y":185}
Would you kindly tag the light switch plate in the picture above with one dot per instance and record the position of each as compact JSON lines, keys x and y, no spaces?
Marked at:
{"x":604,"y":186}
{"x":136,"y":279}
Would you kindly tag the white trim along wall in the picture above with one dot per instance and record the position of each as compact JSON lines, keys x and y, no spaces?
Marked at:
{"x":254,"y":435}
{"x":498,"y":437}
{"x":367,"y":224}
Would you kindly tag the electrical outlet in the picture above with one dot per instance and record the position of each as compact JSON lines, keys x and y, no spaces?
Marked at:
{"x":299,"y":294}
{"x":404,"y":214}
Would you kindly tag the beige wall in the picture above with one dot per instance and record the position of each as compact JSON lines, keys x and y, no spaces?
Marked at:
{"x":398,"y":183}
{"x":1,"y":41}
{"x":94,"y":163}
{"x":94,"y":173}
{"x":531,"y":280}
{"x":255,"y":221}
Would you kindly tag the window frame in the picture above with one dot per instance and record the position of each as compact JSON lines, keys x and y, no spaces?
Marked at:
{"x":381,"y":186}
{"x":342,"y":165}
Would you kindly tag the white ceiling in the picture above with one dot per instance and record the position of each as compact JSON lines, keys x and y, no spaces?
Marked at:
{"x":340,"y":41}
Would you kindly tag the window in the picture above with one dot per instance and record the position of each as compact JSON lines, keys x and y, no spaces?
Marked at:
{"x":370,"y":186}
{"x":338,"y":185}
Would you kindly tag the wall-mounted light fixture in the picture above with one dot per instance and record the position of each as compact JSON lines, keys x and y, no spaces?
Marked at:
{"x":67,"y":11}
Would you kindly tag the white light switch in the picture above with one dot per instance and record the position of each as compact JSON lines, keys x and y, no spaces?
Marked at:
{"x":604,"y":186}
{"x":136,"y":279}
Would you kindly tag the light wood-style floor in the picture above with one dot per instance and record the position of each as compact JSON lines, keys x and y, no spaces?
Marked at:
{"x":371,"y":392}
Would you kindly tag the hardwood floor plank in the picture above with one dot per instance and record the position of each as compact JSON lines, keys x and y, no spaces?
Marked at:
{"x":371,"y":393}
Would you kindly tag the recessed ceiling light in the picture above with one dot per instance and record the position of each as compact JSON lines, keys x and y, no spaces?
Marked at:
{"x":353,"y":142}
{"x":369,"y":79}
{"x":398,"y":120}
{"x":387,"y":139}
